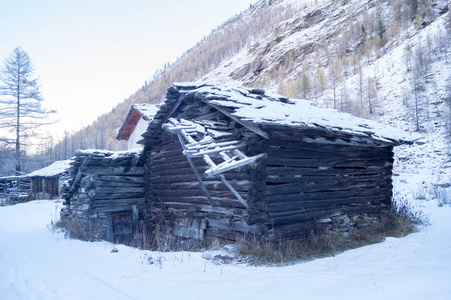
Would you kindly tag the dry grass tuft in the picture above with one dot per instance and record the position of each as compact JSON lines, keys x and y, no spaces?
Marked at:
{"x":77,"y":228}
{"x":321,"y":244}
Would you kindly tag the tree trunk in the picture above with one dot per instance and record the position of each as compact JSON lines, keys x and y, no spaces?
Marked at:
{"x":18,"y":164}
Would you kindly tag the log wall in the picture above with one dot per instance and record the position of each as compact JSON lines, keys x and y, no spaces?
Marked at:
{"x":307,"y":177}
{"x":177,"y":198}
{"x":45,"y":187}
{"x":175,"y":194}
{"x":309,"y":182}
{"x":100,"y":187}
{"x":14,"y":189}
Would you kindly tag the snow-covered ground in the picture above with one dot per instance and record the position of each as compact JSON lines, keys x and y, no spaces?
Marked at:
{"x":38,"y":264}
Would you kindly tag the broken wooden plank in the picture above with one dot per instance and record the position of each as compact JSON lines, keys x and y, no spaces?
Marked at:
{"x":233,"y":164}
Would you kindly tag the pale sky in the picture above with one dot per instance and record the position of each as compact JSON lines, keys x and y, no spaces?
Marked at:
{"x":92,"y":54}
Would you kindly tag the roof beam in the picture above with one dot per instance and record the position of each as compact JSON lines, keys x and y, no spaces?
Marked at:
{"x":249,"y":126}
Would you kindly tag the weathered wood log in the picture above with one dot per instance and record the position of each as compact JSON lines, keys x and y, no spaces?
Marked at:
{"x":113,"y":170}
{"x":169,"y":171}
{"x":156,"y":168}
{"x":327,"y":162}
{"x":299,"y":179}
{"x":112,"y":202}
{"x":174,"y":154}
{"x":241,"y":185}
{"x":117,"y":184}
{"x":214,"y":115}
{"x":177,"y":177}
{"x":228,"y":207}
{"x":117,"y":196}
{"x":183,"y":168}
{"x":118,"y":190}
{"x":166,"y":142}
{"x":196,"y":192}
{"x":318,"y":153}
{"x":292,"y":188}
{"x":77,"y":177}
{"x":108,"y":209}
{"x":176,"y":164}
{"x":329,"y":195}
{"x":334,"y":202}
{"x":122,"y":178}
{"x":373,"y":170}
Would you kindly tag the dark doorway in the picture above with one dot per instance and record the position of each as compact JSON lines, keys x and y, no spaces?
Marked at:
{"x":122,"y":227}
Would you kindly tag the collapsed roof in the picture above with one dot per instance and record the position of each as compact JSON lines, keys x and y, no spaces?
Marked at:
{"x":256,"y":109}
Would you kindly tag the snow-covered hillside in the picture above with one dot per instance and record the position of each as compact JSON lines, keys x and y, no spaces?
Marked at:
{"x":389,"y":85}
{"x":38,"y":264}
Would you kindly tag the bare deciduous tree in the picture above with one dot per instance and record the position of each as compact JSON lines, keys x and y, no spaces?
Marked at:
{"x":20,"y":101}
{"x":372,"y":93}
{"x":335,"y":71}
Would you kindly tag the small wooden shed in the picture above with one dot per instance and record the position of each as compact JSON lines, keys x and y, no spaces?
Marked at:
{"x":46,"y":182}
{"x":222,"y":162}
{"x":14,"y":189}
{"x":104,"y":197}
{"x":136,"y":123}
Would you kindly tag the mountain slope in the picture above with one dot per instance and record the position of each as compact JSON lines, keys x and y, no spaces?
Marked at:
{"x":355,"y":55}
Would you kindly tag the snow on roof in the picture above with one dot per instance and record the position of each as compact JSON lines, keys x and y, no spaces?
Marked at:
{"x":255,"y":106}
{"x":58,"y":167}
{"x":109,"y":154}
{"x":147,"y":110}
{"x":13,"y":177}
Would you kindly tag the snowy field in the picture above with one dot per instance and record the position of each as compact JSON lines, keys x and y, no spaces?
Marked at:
{"x":38,"y":264}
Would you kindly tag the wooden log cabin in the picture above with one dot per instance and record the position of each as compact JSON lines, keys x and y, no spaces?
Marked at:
{"x":225,"y":162}
{"x":104,"y":196}
{"x":47,"y":182}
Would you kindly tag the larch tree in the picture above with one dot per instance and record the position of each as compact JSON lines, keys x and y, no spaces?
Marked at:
{"x":448,"y":102}
{"x":322,"y":81}
{"x":417,"y":83}
{"x":335,"y":71}
{"x":305,"y":86}
{"x":358,"y":62}
{"x":372,"y":93}
{"x":20,"y":102}
{"x":368,"y":50}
